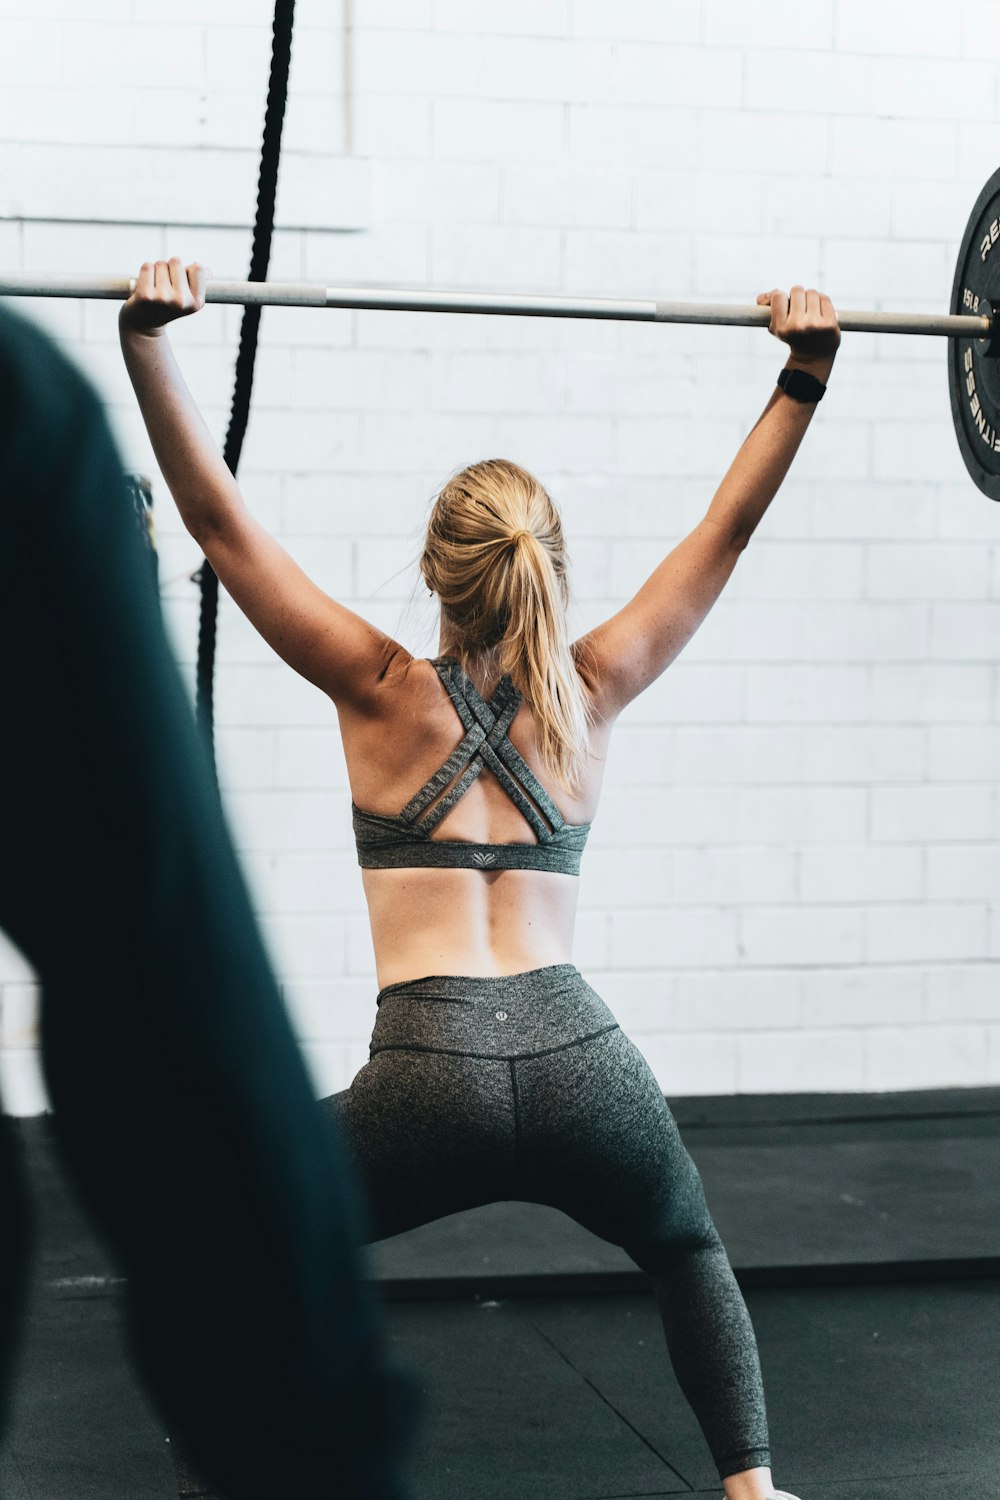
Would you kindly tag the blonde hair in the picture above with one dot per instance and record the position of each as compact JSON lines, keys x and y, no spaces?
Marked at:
{"x":495,"y":556}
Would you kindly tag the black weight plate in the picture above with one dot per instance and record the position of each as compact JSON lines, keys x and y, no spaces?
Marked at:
{"x":974,"y":373}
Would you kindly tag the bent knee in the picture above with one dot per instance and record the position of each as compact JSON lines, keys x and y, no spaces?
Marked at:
{"x":666,"y":1254}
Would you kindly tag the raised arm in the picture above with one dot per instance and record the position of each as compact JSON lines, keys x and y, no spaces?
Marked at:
{"x":630,"y":650}
{"x":334,"y":648}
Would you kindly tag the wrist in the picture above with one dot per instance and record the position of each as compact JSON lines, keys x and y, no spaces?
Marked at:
{"x":801,"y":386}
{"x":129,"y":331}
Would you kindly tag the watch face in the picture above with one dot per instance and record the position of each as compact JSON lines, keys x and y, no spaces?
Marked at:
{"x":801,"y":386}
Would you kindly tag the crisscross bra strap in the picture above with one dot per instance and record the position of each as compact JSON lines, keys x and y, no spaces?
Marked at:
{"x":403,"y":840}
{"x":485,"y":744}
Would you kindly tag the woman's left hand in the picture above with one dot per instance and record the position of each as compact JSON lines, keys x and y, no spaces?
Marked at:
{"x":164,"y":290}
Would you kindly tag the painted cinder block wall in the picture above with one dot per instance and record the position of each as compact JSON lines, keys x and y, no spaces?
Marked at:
{"x":794,"y":880}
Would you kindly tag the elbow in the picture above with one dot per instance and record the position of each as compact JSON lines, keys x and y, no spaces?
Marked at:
{"x":199,"y":519}
{"x":196,"y":526}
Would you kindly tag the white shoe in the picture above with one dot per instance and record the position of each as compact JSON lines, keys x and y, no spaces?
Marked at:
{"x":782,"y":1495}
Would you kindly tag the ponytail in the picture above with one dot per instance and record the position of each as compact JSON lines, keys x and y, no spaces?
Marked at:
{"x":495,"y":556}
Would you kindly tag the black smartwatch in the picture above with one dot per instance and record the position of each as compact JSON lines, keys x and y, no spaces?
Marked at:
{"x":801,"y":386}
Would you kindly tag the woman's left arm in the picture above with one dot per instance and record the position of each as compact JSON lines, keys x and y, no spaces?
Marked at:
{"x":327,"y":643}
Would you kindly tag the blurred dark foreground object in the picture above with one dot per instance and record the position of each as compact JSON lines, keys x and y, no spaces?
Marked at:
{"x":182,"y":1107}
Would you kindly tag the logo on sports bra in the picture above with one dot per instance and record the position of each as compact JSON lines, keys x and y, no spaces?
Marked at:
{"x":484,"y":859}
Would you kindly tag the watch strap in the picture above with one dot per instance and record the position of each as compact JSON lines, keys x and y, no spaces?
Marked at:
{"x":801,"y":386}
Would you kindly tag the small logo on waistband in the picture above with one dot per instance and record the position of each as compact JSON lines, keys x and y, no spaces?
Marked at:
{"x":484,"y":859}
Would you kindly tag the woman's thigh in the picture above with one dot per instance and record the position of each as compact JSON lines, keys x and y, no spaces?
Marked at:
{"x":598,"y":1140}
{"x":429,"y":1133}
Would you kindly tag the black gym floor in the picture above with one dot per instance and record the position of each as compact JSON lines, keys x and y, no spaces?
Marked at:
{"x":866,"y":1231}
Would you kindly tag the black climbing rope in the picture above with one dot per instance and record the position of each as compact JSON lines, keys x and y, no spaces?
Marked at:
{"x":260,"y":256}
{"x":189,"y":1482}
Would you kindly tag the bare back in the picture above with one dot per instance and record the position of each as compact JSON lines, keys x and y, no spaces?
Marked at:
{"x":457,"y":921}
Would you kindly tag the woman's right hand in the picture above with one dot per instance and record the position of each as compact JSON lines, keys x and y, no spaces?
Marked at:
{"x":806,"y":321}
{"x":164,"y":290}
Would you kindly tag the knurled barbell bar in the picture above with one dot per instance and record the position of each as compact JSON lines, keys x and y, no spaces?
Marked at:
{"x":510,"y":304}
{"x":971,"y":323}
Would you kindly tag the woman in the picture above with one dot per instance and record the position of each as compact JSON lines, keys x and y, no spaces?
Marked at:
{"x":496,"y":1072}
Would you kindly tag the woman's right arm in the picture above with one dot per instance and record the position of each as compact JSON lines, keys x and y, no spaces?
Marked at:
{"x":621,"y":657}
{"x":334,"y":648}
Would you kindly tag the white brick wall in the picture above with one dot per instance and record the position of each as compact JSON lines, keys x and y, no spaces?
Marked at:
{"x":795,"y":877}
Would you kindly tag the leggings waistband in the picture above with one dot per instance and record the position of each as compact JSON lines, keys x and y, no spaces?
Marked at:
{"x":471,"y":987}
{"x":490,"y":1016}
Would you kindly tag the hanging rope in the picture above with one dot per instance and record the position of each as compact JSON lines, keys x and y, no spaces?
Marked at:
{"x":189,"y":1482}
{"x":260,"y":256}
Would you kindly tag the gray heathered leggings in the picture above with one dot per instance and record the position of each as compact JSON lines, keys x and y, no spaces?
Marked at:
{"x":523,"y":1087}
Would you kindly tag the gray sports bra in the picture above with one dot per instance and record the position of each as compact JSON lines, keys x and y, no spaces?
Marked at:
{"x":403,"y":840}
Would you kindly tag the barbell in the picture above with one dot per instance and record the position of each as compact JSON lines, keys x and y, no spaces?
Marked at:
{"x":971,"y":324}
